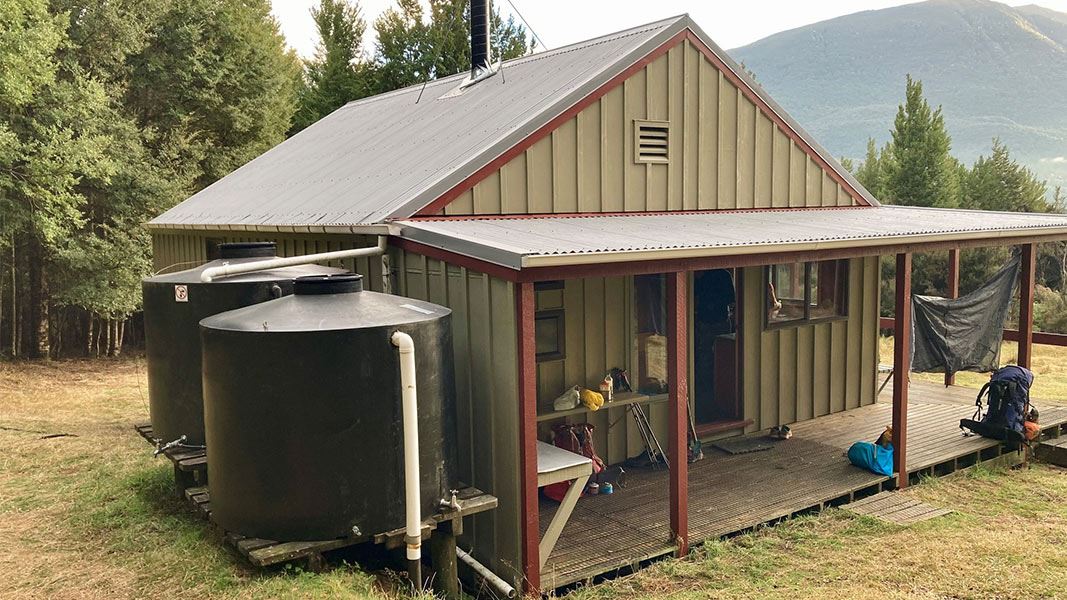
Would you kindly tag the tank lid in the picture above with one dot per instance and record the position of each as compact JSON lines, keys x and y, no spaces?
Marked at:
{"x":339,"y":283}
{"x":248,"y":250}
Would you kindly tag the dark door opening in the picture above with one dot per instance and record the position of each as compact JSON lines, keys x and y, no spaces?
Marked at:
{"x":716,"y":401}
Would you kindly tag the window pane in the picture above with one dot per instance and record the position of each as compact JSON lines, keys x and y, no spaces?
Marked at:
{"x":828,"y":285}
{"x":785,"y":293}
{"x":548,"y":334}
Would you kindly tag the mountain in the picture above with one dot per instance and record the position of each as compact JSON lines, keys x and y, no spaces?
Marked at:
{"x":997,"y":71}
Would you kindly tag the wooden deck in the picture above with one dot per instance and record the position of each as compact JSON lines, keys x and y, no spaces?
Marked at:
{"x":731,"y":493}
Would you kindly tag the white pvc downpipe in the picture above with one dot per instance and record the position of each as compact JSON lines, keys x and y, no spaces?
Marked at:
{"x":503,"y":588}
{"x":412,"y":493}
{"x":212,"y":273}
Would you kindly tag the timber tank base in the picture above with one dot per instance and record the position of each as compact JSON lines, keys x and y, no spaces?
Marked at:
{"x":440,"y":529}
{"x":190,"y":464}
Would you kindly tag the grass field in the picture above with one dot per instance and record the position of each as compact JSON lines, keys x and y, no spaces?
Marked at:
{"x":91,"y":515}
{"x":1049,"y":366}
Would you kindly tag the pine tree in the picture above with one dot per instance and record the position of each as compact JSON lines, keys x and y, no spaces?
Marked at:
{"x":998,"y":182}
{"x":410,"y":51}
{"x":337,"y":74}
{"x":873,"y":170}
{"x":922,"y":172}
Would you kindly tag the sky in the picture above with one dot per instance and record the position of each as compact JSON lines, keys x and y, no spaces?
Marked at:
{"x":561,"y":22}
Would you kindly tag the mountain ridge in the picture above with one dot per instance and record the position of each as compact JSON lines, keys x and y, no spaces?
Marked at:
{"x":996,"y":70}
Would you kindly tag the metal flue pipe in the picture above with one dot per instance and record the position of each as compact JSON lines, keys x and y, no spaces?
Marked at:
{"x":412,"y":494}
{"x":481,"y":56}
{"x":213,"y":273}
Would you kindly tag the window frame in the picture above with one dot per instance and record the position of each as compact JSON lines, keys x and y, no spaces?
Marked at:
{"x":556,"y":314}
{"x":843,"y":271}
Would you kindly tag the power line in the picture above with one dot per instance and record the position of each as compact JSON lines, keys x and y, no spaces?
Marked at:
{"x":536,"y":37}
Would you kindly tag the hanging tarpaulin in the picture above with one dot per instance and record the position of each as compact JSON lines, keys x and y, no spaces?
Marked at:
{"x":963,"y":334}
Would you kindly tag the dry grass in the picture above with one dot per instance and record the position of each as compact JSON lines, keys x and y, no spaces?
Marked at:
{"x":91,"y":515}
{"x":1049,"y":366}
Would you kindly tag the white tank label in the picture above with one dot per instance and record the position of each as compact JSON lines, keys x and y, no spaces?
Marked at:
{"x":181,"y":293}
{"x":417,"y":309}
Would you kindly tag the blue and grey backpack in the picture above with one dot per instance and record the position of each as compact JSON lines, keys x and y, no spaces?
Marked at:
{"x":1007,"y":399}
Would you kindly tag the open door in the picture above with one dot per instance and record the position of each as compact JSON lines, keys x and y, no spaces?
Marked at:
{"x":716,"y":401}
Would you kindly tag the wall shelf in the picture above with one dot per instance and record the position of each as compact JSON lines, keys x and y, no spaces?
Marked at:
{"x":619,"y":400}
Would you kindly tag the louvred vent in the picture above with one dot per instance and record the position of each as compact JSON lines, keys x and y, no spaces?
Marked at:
{"x":652,"y":141}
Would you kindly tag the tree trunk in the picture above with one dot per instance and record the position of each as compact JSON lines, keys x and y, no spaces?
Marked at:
{"x":14,"y":304}
{"x":120,"y":334}
{"x":41,"y":341}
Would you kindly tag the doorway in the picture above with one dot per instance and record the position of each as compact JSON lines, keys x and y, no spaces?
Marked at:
{"x":716,"y":401}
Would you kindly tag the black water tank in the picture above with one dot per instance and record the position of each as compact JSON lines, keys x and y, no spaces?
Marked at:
{"x":302,"y":405}
{"x":174,"y":304}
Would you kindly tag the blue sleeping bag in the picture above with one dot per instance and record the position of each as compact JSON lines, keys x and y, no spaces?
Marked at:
{"x":874,"y":458}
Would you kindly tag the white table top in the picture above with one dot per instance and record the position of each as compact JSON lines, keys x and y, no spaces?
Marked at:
{"x":555,"y":464}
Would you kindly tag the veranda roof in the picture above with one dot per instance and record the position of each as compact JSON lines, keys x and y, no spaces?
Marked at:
{"x":524,"y":241}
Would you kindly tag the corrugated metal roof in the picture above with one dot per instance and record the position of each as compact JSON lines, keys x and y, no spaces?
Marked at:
{"x":377,"y":156}
{"x":390,"y":155}
{"x":542,"y":241}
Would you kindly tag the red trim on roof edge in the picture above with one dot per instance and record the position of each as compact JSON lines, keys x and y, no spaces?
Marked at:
{"x":517,"y":217}
{"x":455,"y":258}
{"x":433,"y":208}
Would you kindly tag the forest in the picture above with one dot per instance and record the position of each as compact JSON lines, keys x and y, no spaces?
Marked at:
{"x":112,"y":112}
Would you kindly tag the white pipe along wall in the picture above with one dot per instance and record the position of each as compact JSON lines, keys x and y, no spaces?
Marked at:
{"x":412,"y":494}
{"x":212,"y":273}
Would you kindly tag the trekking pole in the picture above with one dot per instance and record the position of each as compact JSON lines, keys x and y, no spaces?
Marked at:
{"x":652,"y":435}
{"x":644,"y":435}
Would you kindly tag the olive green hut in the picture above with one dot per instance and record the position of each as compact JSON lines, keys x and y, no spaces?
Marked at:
{"x":635,"y":201}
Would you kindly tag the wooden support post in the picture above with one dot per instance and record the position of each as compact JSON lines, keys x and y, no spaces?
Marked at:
{"x":443,"y":556}
{"x":183,"y":480}
{"x":901,"y":368}
{"x":678,"y":387}
{"x":524,"y":317}
{"x":1026,"y":305}
{"x":953,"y":291}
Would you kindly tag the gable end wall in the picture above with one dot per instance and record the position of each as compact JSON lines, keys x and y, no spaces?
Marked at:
{"x":725,"y":153}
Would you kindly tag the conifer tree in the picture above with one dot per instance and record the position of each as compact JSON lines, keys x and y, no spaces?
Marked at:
{"x":337,"y":74}
{"x":922,"y":172}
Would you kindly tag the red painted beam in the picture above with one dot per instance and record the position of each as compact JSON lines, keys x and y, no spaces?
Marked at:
{"x":953,"y":291}
{"x":678,"y":386}
{"x":524,"y":317}
{"x":1026,"y":305}
{"x":1010,"y":335}
{"x":901,"y":368}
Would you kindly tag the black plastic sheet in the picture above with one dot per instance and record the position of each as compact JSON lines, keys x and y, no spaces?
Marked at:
{"x":963,"y":334}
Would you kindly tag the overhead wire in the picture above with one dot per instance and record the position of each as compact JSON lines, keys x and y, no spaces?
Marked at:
{"x":537,"y":38}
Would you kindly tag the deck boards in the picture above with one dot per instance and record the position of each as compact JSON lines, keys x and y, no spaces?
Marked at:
{"x":731,"y":493}
{"x":895,"y":508}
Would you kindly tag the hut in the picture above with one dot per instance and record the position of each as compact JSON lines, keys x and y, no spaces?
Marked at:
{"x":635,"y":201}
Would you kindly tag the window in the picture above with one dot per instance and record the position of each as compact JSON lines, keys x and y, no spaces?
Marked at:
{"x":651,"y":141}
{"x":805,"y":292}
{"x":549,"y":336}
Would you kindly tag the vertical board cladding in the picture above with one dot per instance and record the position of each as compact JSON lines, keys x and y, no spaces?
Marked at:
{"x":796,"y":373}
{"x":174,"y":250}
{"x":598,"y":336}
{"x":725,"y":153}
{"x":484,"y":339}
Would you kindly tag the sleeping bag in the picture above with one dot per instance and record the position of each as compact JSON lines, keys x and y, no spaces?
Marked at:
{"x":874,"y":458}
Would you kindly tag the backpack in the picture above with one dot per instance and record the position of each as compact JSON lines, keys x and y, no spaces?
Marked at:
{"x":1007,"y":402}
{"x":576,"y":438}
